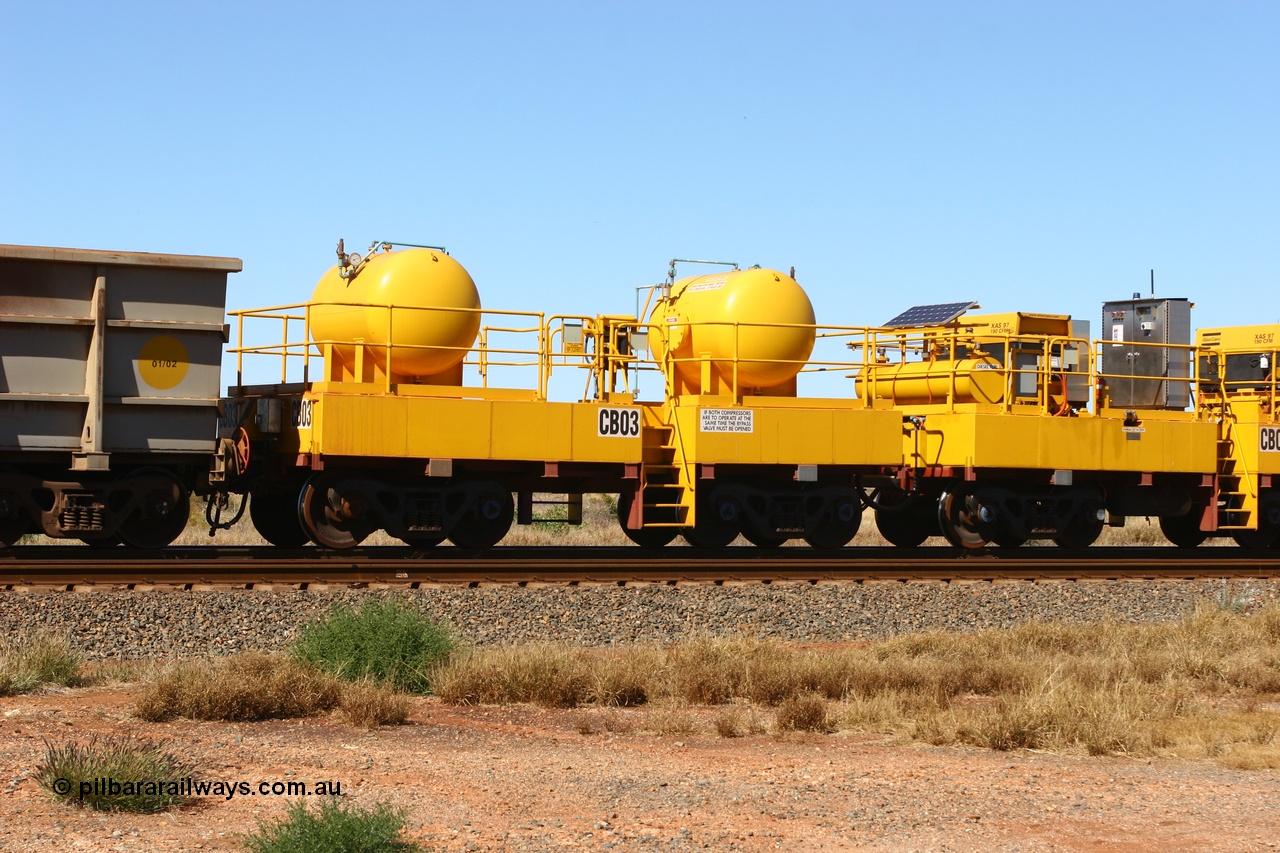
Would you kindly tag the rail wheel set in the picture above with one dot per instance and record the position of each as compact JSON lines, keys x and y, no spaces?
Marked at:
{"x":393,"y":401}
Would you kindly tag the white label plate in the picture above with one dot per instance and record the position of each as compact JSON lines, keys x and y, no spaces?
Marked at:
{"x":728,"y":420}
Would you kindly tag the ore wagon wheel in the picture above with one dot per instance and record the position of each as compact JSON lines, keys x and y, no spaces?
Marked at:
{"x":645,"y":537}
{"x":332,"y":512}
{"x":14,"y":528}
{"x":837,"y":527}
{"x":958,"y":517}
{"x":488,"y":520}
{"x":163,"y":506}
{"x":1183,"y":530}
{"x":275,"y":516}
{"x":14,"y":521}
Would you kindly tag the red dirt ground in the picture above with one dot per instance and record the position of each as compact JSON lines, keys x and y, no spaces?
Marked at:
{"x":526,"y":779}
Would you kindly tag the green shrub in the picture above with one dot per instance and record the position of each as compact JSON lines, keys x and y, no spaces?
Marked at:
{"x":117,"y":773}
{"x":332,"y":827}
{"x":383,"y":641}
{"x":36,"y":659}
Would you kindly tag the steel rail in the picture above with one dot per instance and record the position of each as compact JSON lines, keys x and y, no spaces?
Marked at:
{"x":72,"y":567}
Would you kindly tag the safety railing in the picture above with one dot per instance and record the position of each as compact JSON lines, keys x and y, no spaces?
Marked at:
{"x":950,"y":366}
{"x":1226,"y":373}
{"x":616,"y":350}
{"x":937,"y":366}
{"x":1042,"y":374}
{"x":300,"y":353}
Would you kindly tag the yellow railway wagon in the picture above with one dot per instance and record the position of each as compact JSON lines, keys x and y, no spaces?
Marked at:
{"x":1010,"y":434}
{"x":384,"y":433}
{"x":1237,"y":393}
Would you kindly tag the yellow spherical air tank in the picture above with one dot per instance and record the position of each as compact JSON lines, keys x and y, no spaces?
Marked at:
{"x":759,"y":317}
{"x":421,"y":301}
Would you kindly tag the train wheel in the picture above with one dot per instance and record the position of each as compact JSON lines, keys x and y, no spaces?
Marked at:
{"x":709,"y":535}
{"x":764,"y":539}
{"x":1183,"y":530}
{"x":1079,"y":533}
{"x":162,"y":511}
{"x":645,"y":537}
{"x":275,"y":517}
{"x":489,"y":521}
{"x":1005,"y":539}
{"x":958,"y":517}
{"x":837,"y":527}
{"x":422,"y":540}
{"x":15,"y":523}
{"x":1268,"y":532}
{"x":717,"y":524}
{"x":906,"y":525}
{"x":331,"y":515}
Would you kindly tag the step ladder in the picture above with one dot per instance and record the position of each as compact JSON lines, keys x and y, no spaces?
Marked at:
{"x":1237,"y":491}
{"x":667,"y":484}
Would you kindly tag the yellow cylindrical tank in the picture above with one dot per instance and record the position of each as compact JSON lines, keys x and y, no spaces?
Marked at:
{"x":977,"y":380}
{"x":760,"y":316}
{"x":421,"y":301}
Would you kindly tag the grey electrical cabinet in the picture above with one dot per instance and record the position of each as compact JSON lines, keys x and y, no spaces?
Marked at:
{"x":1144,"y":355}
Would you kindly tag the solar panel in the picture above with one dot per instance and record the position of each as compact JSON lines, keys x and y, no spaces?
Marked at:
{"x":931,"y":315}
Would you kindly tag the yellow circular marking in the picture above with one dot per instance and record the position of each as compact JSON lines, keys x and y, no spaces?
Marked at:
{"x":162,"y":363}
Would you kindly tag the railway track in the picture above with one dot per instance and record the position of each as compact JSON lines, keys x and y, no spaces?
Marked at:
{"x":72,"y":567}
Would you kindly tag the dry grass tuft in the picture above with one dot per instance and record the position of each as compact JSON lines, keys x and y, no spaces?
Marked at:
{"x":616,"y":722}
{"x":548,"y":675}
{"x":807,"y":712}
{"x":258,"y":686}
{"x":249,"y":686}
{"x":672,"y":720}
{"x":585,"y":723}
{"x":37,"y":659}
{"x":731,"y":721}
{"x":367,"y":705}
{"x":1097,"y":689}
{"x":114,"y":773}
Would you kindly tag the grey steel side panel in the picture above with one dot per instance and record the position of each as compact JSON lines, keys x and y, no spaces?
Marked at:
{"x":162,"y":311}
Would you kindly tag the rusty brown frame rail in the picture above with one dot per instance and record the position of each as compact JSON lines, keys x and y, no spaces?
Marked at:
{"x":70,"y":567}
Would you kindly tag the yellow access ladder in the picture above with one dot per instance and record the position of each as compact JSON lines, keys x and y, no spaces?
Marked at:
{"x":667,"y":484}
{"x":1237,"y":488}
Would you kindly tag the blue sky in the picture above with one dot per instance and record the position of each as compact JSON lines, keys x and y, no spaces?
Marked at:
{"x":1031,"y":156}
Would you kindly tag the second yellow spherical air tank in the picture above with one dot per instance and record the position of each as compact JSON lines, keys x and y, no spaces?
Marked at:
{"x":759,"y":318}
{"x":421,"y":301}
